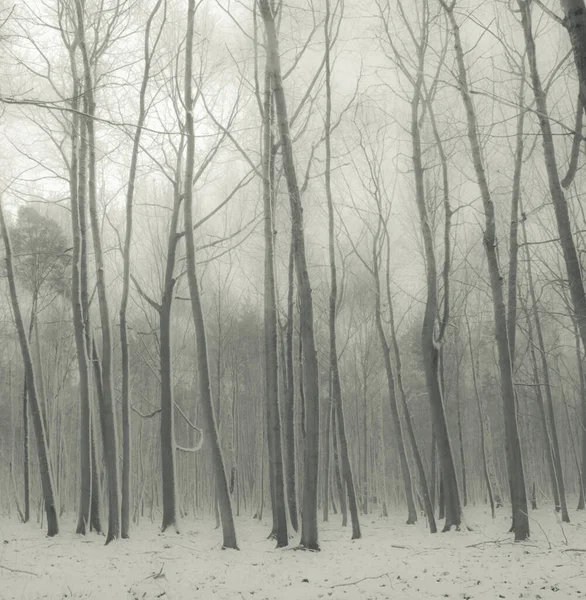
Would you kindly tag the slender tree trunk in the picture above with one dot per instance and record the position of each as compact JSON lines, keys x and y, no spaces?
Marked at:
{"x":289,"y":409}
{"x":483,"y":425}
{"x":96,"y":521}
{"x":270,"y":332}
{"x":42,"y":449}
{"x":336,"y":399}
{"x":461,"y":439}
{"x":543,"y":415}
{"x":581,"y":375}
{"x":26,"y":447}
{"x":167,"y":424}
{"x":78,"y":188}
{"x":223,"y":492}
{"x":126,"y":400}
{"x":554,"y":446}
{"x":516,"y":472}
{"x":430,"y":349}
{"x":514,"y":223}
{"x":309,"y":528}
{"x":338,"y":473}
{"x":167,"y":428}
{"x":111,"y":446}
{"x":326,"y":475}
{"x":398,"y":429}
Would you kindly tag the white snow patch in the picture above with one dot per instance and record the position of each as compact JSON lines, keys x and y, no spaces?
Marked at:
{"x":393,"y":560}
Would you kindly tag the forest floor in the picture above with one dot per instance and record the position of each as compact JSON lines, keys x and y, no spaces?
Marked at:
{"x":392,"y":561}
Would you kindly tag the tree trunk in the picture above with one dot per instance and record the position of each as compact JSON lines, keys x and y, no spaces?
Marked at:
{"x":398,"y":429}
{"x":309,"y":528}
{"x":512,"y":441}
{"x":553,"y":441}
{"x":289,"y":408}
{"x":167,"y":424}
{"x":487,"y":463}
{"x":111,"y":445}
{"x":42,"y":449}
{"x":78,"y":188}
{"x":271,"y":373}
{"x":223,"y":492}
{"x":337,"y":472}
{"x":575,"y":20}
{"x":96,"y":521}
{"x":126,"y":400}
{"x":430,"y":349}
{"x":26,"y":447}
{"x":581,"y":375}
{"x":575,"y":24}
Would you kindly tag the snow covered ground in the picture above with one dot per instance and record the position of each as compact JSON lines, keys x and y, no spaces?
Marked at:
{"x":392,"y":561}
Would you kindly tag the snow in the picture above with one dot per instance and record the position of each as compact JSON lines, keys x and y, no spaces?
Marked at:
{"x":393,"y":560}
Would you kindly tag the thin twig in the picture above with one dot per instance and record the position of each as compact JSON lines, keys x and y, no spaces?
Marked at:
{"x":360,"y":580}
{"x":18,"y":571}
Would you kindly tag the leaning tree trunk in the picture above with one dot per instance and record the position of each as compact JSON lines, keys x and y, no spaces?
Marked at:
{"x":309,"y":528}
{"x":425,"y":492}
{"x":514,"y":456}
{"x":42,"y":449}
{"x":336,"y":386}
{"x":222,"y":488}
{"x":430,"y":349}
{"x":271,"y":369}
{"x":575,"y":22}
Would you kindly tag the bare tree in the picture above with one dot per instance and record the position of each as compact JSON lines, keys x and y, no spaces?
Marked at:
{"x":225,"y":507}
{"x":309,"y":528}
{"x":516,"y":473}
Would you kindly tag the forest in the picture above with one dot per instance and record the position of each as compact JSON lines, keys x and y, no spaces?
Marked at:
{"x":293,"y":273}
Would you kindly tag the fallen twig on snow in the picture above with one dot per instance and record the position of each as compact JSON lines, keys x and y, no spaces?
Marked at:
{"x":363,"y":579}
{"x":18,"y":571}
{"x":482,"y":543}
{"x":159,"y":575}
{"x":574,"y":550}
